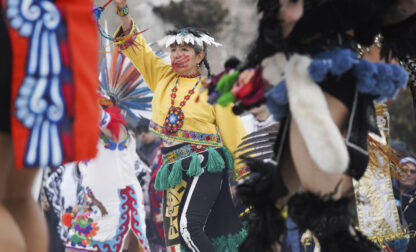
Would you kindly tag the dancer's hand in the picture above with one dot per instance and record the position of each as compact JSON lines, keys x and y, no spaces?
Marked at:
{"x":120,"y":3}
{"x":126,"y":20}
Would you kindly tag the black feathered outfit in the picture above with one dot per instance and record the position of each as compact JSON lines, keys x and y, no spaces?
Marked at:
{"x":327,"y":29}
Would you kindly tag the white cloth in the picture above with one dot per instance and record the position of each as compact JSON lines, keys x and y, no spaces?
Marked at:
{"x":113,"y":195}
{"x":62,"y":189}
{"x":252,"y":124}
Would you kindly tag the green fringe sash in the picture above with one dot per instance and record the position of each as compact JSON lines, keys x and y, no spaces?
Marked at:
{"x":171,"y":175}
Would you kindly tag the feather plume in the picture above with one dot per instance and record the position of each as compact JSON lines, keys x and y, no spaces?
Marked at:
{"x":258,"y":145}
{"x":170,"y":40}
{"x":179,"y":39}
{"x":123,"y":83}
{"x":188,"y":36}
{"x":189,"y":39}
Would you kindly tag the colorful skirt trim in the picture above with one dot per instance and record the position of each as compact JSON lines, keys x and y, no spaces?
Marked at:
{"x":84,"y":228}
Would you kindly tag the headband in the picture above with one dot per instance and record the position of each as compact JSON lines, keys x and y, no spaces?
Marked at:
{"x":187,"y":36}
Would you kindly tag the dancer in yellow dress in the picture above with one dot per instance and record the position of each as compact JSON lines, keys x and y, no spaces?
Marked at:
{"x":198,"y":140}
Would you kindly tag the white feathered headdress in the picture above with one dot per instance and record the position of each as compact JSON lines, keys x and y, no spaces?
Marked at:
{"x":188,"y":36}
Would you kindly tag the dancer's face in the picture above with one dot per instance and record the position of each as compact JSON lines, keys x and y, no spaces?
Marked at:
{"x":184,"y":59}
{"x":289,"y":14}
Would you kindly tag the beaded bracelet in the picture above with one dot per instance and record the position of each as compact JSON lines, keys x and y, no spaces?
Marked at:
{"x":123,"y":12}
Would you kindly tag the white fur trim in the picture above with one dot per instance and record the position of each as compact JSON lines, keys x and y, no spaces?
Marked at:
{"x":310,"y":111}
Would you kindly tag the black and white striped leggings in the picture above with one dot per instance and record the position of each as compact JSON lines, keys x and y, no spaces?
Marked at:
{"x":206,"y":211}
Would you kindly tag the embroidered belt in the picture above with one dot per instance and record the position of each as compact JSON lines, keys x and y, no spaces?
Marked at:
{"x":183,"y":152}
{"x":187,"y":136}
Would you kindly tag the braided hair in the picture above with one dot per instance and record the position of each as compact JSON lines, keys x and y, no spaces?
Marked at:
{"x":204,"y":61}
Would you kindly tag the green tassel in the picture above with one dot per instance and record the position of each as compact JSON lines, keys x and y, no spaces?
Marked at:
{"x":157,"y":180}
{"x":195,"y":168}
{"x":161,"y":181}
{"x":215,"y":161}
{"x":175,"y":177}
{"x":228,"y":157}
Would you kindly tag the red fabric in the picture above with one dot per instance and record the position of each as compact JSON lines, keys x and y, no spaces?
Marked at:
{"x":116,"y":120}
{"x":156,"y":198}
{"x":83,"y":52}
{"x":83,"y":45}
{"x":389,"y":248}
{"x":66,"y":219}
{"x":68,"y":146}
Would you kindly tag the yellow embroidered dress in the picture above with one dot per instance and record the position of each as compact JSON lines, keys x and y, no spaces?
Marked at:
{"x":203,"y":124}
{"x":198,"y":211}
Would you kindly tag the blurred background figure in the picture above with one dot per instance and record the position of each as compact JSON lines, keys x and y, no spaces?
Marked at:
{"x":148,"y":147}
{"x":61,"y":192}
{"x":146,"y":142}
{"x":405,"y":193}
{"x":59,"y":27}
{"x":154,"y":219}
{"x":408,"y":179}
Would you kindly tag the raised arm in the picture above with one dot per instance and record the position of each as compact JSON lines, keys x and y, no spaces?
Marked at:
{"x":129,"y":39}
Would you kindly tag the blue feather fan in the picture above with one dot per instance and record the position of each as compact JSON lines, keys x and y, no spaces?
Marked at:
{"x":124,"y":85}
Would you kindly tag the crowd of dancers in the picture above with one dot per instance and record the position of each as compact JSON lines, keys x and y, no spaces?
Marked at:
{"x":226,"y":161}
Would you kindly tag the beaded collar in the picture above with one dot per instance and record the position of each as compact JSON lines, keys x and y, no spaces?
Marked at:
{"x":190,"y":76}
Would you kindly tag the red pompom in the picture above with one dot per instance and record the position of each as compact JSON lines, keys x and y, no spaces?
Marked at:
{"x":116,"y":121}
{"x":66,"y":219}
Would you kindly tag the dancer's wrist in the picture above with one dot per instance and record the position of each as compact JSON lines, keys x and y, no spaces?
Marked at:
{"x":120,"y":4}
{"x":122,"y":12}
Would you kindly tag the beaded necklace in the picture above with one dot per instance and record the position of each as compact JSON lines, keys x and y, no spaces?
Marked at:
{"x":174,"y":118}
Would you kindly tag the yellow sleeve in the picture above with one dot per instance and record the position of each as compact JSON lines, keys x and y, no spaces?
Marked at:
{"x":232,"y":131}
{"x":135,"y":47}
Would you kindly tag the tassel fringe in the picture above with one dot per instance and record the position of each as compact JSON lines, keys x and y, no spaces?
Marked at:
{"x":162,"y":178}
{"x":229,"y":158}
{"x":195,"y":168}
{"x":167,"y":178}
{"x":175,"y":177}
{"x":215,"y":161}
